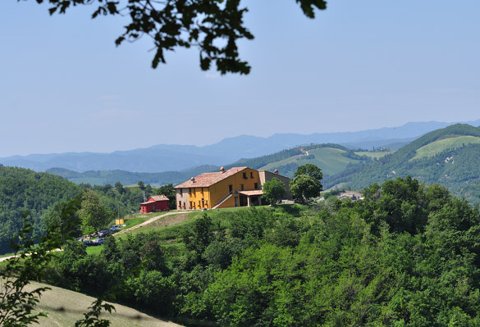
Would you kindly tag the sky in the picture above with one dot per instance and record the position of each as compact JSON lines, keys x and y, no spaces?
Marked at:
{"x":65,"y":87}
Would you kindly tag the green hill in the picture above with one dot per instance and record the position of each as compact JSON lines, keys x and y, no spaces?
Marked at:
{"x":447,"y":156}
{"x":65,"y":307}
{"x":331,"y":158}
{"x":24,"y":192}
{"x":103,"y":177}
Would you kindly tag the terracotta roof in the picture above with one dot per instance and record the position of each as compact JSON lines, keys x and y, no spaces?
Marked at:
{"x":208,"y":179}
{"x":155,"y":198}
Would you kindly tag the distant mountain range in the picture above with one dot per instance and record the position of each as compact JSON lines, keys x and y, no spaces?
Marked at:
{"x":164,"y":158}
{"x":449,"y":156}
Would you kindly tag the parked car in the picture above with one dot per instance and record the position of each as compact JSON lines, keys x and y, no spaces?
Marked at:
{"x":98,"y":241}
{"x":115,"y":228}
{"x":104,"y":232}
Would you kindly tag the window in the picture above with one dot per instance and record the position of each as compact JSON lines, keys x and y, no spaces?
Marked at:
{"x":181,"y":192}
{"x":242,"y":187}
{"x":256,"y":186}
{"x":179,"y":204}
{"x":244,"y":175}
{"x":230,"y":188}
{"x":251,"y":174}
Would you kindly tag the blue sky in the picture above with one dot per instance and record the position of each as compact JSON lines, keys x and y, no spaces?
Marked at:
{"x":64,"y":86}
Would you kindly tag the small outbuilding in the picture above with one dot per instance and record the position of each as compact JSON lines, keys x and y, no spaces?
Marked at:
{"x":155,"y":203}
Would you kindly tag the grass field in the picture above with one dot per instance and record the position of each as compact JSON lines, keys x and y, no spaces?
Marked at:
{"x":445,"y":144}
{"x":373,"y":154}
{"x":65,"y":307}
{"x":330,"y":160}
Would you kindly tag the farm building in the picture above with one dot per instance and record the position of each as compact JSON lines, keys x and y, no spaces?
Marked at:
{"x":154,"y":203}
{"x":235,"y":187}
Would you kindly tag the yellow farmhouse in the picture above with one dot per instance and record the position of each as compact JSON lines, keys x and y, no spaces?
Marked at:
{"x":235,"y":187}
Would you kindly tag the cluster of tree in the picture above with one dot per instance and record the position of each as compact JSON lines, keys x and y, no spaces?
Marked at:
{"x":25,"y":193}
{"x":306,"y":184}
{"x":104,"y":177}
{"x":406,"y":255}
{"x":53,"y":203}
{"x":96,"y":207}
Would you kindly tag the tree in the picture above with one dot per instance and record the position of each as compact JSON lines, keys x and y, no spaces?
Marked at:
{"x":213,"y":26}
{"x":273,"y":190}
{"x":17,"y":303}
{"x":93,"y":213}
{"x":199,"y":236}
{"x":310,"y":170}
{"x":307,"y":183}
{"x":119,"y":188}
{"x":62,"y":219}
{"x":305,"y":187}
{"x":169,"y":191}
{"x":91,"y":318}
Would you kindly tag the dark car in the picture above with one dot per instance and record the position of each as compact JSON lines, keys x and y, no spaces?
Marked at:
{"x":97,"y":241}
{"x":104,"y":232}
{"x":115,"y":228}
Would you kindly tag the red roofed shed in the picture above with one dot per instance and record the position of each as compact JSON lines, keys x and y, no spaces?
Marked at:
{"x":154,"y":203}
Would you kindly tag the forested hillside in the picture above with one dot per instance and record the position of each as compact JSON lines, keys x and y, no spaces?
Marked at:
{"x":448,"y":156}
{"x":103,"y":177}
{"x":53,"y":204}
{"x":407,"y":255}
{"x":25,"y":194}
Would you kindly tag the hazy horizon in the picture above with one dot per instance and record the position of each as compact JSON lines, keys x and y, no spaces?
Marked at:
{"x":357,"y":66}
{"x":242,"y":135}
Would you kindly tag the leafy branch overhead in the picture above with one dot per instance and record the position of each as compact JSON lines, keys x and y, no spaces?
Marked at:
{"x":212,"y":26}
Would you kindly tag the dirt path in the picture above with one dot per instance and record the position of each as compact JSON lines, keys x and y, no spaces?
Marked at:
{"x":167,"y":219}
{"x":14,"y":256}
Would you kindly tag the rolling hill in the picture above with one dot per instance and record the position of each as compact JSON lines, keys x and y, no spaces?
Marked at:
{"x":161,"y":158}
{"x":25,"y":193}
{"x":331,"y":158}
{"x":65,"y":307}
{"x":103,"y":177}
{"x":447,"y":156}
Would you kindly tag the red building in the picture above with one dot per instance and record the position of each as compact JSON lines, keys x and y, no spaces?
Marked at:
{"x":154,"y":203}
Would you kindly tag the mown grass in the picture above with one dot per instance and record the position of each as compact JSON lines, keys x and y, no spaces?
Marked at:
{"x":450,"y":143}
{"x":94,"y":250}
{"x":331,"y":160}
{"x":65,"y":307}
{"x":373,"y":154}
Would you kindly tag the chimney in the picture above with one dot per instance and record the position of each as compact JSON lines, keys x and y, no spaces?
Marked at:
{"x":222,"y":169}
{"x":192,"y":179}
{"x":275,"y":171}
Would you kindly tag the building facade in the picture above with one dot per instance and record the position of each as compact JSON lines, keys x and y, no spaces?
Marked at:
{"x":235,"y":187}
{"x":155,"y":203}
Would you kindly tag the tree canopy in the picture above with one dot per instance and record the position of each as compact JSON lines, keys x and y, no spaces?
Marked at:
{"x":307,"y":183}
{"x":273,"y":190}
{"x":214,"y":27}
